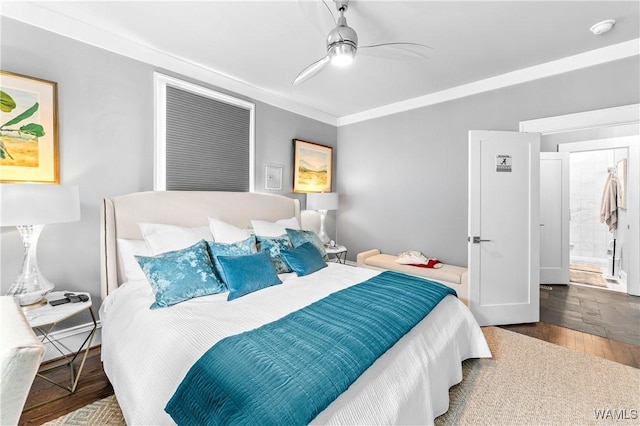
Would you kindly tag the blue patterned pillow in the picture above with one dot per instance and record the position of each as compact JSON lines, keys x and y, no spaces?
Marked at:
{"x":273,"y":245}
{"x":179,"y":275}
{"x":249,"y":273}
{"x":304,"y":259}
{"x":238,"y":248}
{"x":299,"y":237}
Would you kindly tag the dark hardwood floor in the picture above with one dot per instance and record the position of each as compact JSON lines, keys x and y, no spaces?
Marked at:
{"x":94,"y":385}
{"x":592,"y":310}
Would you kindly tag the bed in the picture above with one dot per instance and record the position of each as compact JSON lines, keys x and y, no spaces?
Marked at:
{"x":147,"y":352}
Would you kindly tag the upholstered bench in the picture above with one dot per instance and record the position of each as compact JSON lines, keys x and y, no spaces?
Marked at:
{"x":450,"y":275}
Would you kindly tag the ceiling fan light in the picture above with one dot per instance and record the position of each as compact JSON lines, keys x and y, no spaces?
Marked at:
{"x":342,"y":54}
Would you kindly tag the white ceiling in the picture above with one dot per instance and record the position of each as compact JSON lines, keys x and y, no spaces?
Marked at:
{"x":261,"y":46}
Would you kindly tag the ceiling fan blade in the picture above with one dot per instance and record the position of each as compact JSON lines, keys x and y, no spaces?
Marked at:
{"x":319,"y":14}
{"x":397,"y":50}
{"x":311,"y":70}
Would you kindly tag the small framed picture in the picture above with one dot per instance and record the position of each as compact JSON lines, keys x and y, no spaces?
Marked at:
{"x":273,"y":177}
{"x":28,"y":129}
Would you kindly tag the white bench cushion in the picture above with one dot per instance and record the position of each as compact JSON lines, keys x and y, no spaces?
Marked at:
{"x":451,"y":275}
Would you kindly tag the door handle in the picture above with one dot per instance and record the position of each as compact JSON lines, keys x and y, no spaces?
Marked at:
{"x":477,"y":240}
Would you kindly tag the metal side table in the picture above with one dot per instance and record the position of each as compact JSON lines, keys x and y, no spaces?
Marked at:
{"x":44,"y":320}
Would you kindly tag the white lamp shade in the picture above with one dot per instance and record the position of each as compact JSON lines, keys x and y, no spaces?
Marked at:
{"x":33,"y":204}
{"x":322,"y":201}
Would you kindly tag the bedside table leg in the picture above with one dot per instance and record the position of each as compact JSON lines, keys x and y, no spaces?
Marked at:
{"x":74,"y":376}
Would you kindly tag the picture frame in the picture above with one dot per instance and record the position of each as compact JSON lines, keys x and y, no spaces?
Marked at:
{"x":621,"y":171}
{"x":28,"y":129}
{"x":312,"y":167}
{"x":273,"y":177}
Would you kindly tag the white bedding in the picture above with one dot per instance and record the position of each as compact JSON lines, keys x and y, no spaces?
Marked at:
{"x":146,"y":353}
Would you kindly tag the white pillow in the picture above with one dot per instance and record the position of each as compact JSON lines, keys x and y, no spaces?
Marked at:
{"x":127,"y":249}
{"x":412,"y":257}
{"x":224,"y":232}
{"x":271,"y":229}
{"x":162,"y":238}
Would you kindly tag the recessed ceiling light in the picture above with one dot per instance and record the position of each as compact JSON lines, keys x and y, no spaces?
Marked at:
{"x":603,"y":26}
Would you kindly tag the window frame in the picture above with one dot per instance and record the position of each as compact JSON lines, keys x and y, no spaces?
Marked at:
{"x":161,"y":81}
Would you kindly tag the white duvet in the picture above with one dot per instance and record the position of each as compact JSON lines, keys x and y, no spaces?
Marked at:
{"x":146,"y":353}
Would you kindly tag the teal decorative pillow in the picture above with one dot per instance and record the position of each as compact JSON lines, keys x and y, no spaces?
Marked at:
{"x":273,"y":246}
{"x":239,"y":248}
{"x":299,"y":237}
{"x":304,"y":259}
{"x":249,"y":273}
{"x":176,"y":276}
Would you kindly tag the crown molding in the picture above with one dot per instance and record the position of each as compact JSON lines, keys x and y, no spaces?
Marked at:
{"x":86,"y":33}
{"x":570,"y":63}
{"x":616,"y":116}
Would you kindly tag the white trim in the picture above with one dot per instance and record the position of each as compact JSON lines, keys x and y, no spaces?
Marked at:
{"x":72,"y":338}
{"x":160,"y":132}
{"x":39,"y":16}
{"x":598,"y":144}
{"x":160,"y":82}
{"x":536,"y":72}
{"x":627,"y":114}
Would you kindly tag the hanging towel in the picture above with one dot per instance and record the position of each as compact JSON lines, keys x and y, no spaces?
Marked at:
{"x":609,"y":203}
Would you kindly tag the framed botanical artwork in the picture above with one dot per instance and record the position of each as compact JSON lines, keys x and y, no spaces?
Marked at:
{"x":28,"y":129}
{"x":312,"y":167}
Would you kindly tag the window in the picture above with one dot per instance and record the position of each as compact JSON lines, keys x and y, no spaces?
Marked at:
{"x":204,"y":139}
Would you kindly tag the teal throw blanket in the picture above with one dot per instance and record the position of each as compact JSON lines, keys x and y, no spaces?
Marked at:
{"x":288,"y":371}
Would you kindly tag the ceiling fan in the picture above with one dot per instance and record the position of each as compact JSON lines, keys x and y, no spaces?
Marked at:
{"x":342,"y":41}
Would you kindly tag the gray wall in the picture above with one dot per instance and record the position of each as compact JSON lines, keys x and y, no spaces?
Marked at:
{"x":105,"y":105}
{"x":402,"y":179}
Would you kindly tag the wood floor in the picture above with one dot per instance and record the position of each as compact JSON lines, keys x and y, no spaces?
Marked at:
{"x":592,"y":310}
{"x":93,"y":384}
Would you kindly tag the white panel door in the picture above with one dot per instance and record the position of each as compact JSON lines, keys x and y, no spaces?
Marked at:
{"x":554,"y":218}
{"x":504,"y":227}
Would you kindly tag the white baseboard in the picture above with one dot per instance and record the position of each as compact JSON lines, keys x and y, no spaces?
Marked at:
{"x":68,"y":340}
{"x":623,"y":276}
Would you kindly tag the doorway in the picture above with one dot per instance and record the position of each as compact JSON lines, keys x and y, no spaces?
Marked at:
{"x":593,"y":258}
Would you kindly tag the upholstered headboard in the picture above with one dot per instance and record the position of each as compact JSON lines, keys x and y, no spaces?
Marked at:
{"x":120,"y":217}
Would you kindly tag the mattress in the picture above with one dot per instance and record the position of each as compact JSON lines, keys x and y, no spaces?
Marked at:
{"x":146,"y":353}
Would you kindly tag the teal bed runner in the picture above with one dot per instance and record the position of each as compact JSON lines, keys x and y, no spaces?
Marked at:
{"x":288,"y":371}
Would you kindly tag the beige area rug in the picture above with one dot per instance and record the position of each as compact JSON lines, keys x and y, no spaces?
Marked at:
{"x":585,"y":274}
{"x":103,"y":412}
{"x":531,"y":382}
{"x":527,"y":382}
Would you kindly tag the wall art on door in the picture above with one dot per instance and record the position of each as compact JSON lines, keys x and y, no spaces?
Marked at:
{"x":312,"y":167}
{"x":28,"y":129}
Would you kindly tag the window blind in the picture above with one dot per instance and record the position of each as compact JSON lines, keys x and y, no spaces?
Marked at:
{"x":208,"y":143}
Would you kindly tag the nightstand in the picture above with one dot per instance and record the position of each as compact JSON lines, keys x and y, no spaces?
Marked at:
{"x":44,"y":320}
{"x":339,"y":253}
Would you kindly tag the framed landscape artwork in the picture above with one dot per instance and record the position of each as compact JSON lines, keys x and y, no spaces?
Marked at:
{"x":312,"y":167}
{"x":28,"y":129}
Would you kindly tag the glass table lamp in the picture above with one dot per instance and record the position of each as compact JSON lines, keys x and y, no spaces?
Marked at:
{"x":29,"y":207}
{"x":322,"y":202}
